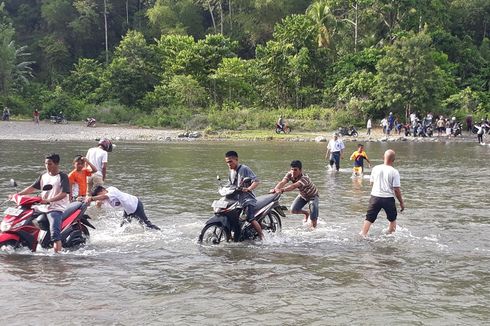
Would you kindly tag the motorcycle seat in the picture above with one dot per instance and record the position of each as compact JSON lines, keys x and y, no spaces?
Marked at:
{"x":265,"y":200}
{"x":42,"y":218}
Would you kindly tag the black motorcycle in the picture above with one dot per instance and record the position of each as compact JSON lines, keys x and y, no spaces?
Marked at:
{"x":348,"y":131}
{"x":229,"y":223}
{"x":90,"y":122}
{"x":284,"y":128}
{"x":58,"y":119}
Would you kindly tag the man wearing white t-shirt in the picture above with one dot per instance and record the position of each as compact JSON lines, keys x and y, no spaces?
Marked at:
{"x":98,"y":157}
{"x":335,"y":151}
{"x":132,"y":206}
{"x":386,"y":186}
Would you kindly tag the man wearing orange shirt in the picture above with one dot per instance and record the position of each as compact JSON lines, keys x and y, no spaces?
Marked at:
{"x":78,"y":177}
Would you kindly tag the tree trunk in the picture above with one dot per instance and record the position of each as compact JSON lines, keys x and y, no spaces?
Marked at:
{"x":212,"y":15}
{"x":221,"y":14}
{"x":105,"y":34}
{"x":356,"y":20}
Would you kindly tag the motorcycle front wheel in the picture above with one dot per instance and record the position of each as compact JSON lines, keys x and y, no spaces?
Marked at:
{"x":8,"y":244}
{"x":271,"y":222}
{"x":213,"y":234}
{"x":354,"y":134}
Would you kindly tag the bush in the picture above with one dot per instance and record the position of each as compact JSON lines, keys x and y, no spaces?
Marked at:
{"x":110,"y":112}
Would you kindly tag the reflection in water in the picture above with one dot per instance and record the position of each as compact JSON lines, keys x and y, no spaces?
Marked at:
{"x":432,"y":269}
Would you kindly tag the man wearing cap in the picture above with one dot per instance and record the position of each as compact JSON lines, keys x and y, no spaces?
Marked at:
{"x":308,"y":192}
{"x":335,"y":151}
{"x":98,"y":157}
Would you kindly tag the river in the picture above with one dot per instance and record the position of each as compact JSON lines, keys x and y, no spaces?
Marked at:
{"x":433,"y":270}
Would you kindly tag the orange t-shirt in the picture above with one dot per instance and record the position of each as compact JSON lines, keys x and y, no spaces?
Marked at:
{"x":80,"y":178}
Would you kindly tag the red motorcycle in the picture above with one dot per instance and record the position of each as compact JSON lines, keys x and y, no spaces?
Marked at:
{"x":24,"y":226}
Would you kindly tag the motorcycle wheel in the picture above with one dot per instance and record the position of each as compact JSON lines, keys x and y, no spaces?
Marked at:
{"x":213,"y":234}
{"x":8,"y":244}
{"x":287,"y":130}
{"x":355,"y":134}
{"x":278,"y":130}
{"x":271,"y":222}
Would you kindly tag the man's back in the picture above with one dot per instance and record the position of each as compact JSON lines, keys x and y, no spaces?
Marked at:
{"x":384,"y":178}
{"x":97,"y":156}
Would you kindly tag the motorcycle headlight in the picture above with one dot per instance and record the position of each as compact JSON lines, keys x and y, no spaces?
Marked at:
{"x":5,"y":226}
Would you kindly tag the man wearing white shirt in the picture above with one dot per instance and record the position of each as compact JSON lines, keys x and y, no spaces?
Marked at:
{"x":98,"y":157}
{"x":132,"y":206}
{"x":335,"y":151}
{"x":386,"y":186}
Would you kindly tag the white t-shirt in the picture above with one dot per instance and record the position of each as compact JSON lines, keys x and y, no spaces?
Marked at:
{"x":97,"y":156}
{"x":335,"y":145}
{"x":384,"y":178}
{"x":59,"y":183}
{"x":368,"y":125}
{"x":119,"y":199}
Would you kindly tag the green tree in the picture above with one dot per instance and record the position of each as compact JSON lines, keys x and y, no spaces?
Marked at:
{"x":408,"y":77}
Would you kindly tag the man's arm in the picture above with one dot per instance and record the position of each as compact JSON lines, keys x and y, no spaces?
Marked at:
{"x":92,"y":167}
{"x":27,"y":191}
{"x":398,"y":194}
{"x":279,"y":185}
{"x":104,"y":170}
{"x":254,"y":185}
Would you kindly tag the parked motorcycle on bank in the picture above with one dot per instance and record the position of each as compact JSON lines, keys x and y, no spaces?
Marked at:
{"x":343,"y":131}
{"x":229,"y":221}
{"x":90,"y":122}
{"x":25,"y":226}
{"x":58,"y":118}
{"x":284,"y":128}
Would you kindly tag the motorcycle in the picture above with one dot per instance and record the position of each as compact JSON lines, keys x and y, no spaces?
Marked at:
{"x":59,"y":118}
{"x":456,"y":129}
{"x":284,"y":128}
{"x":343,"y":131}
{"x":228,"y":223}
{"x":24,"y":226}
{"x":90,"y":122}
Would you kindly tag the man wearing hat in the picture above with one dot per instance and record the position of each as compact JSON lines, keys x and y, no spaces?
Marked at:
{"x":335,"y":151}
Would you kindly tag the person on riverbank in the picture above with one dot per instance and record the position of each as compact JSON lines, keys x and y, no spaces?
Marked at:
{"x":469,"y":123}
{"x":308,"y":192}
{"x":335,"y":151}
{"x":384,"y":125}
{"x":358,"y":157}
{"x":132,"y":205}
{"x":386,"y":186}
{"x":35,"y":116}
{"x":82,"y":169}
{"x":480,"y":131}
{"x":440,"y":123}
{"x":237,"y":173}
{"x":391,"y":122}
{"x":369,"y":127}
{"x":98,"y":157}
{"x":54,"y":200}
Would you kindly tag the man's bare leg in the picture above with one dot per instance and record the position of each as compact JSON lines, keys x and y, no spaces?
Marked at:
{"x":365,"y":228}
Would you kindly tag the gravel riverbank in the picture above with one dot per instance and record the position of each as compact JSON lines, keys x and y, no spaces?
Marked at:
{"x":47,"y":131}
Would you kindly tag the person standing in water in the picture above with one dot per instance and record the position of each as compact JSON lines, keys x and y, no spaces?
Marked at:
{"x":386,"y":186}
{"x":358,"y":157}
{"x":308,"y":192}
{"x":335,"y":151}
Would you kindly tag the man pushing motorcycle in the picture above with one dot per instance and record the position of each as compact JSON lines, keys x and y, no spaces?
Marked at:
{"x":238,"y":172}
{"x":55,"y":199}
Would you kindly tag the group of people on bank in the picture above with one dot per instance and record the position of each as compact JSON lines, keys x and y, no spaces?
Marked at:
{"x":86,"y":183}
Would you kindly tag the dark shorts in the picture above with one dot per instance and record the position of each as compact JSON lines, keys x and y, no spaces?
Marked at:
{"x":378,"y":203}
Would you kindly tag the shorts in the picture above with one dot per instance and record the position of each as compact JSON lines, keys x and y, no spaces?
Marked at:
{"x":299,"y":202}
{"x":378,"y":203}
{"x":357,"y":170}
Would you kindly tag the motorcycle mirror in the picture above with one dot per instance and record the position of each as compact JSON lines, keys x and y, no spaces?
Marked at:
{"x":13,"y":183}
{"x":47,"y":187}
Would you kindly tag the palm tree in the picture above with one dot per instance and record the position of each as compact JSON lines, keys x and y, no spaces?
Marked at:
{"x":320,"y":12}
{"x":14,"y":71}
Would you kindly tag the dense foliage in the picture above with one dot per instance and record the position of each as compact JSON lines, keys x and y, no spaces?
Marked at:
{"x":240,"y":63}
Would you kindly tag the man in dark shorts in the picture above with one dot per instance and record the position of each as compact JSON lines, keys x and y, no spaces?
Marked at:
{"x":386,"y":186}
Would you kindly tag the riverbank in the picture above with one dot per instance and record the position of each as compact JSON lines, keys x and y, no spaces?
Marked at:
{"x":47,"y":131}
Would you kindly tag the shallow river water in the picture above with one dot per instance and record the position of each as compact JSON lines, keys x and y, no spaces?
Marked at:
{"x":433,"y":270}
